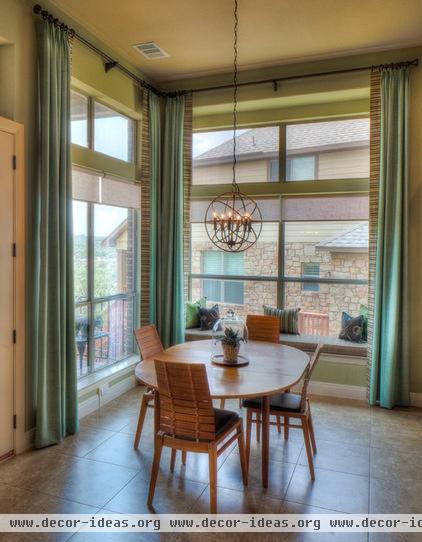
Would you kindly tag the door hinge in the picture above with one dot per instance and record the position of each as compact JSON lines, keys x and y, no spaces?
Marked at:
{"x":14,"y":161}
{"x":14,"y":336}
{"x":14,"y":421}
{"x":13,"y":250}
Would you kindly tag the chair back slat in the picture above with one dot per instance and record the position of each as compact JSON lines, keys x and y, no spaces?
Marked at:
{"x":263,"y":328}
{"x":186,"y":409}
{"x":148,"y":340}
{"x":308,"y":374}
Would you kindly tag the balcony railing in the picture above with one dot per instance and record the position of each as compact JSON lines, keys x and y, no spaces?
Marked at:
{"x":313,"y":323}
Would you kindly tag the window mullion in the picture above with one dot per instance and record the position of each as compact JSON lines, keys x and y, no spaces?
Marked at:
{"x":91,"y":249}
{"x":91,"y":123}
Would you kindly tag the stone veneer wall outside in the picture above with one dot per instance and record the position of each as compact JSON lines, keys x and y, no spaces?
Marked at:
{"x":262,"y":259}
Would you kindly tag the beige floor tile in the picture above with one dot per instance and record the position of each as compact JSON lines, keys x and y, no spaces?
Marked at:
{"x":352,"y":431}
{"x":229,"y":476}
{"x":83,"y":442}
{"x":280,"y":449}
{"x":394,"y":497}
{"x":172,"y":495}
{"x":296,"y":508}
{"x":21,"y":501}
{"x":230,"y":501}
{"x":394,"y":537}
{"x":394,"y":465}
{"x":113,"y":419}
{"x":332,"y":490}
{"x":76,"y":479}
{"x":340,"y":457}
{"x":118,"y":450}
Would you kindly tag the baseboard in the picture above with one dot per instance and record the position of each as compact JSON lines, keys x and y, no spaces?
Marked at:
{"x":416,"y":399}
{"x":344,"y":391}
{"x":105,"y":394}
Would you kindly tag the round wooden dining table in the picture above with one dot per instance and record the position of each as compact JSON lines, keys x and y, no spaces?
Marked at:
{"x":272,"y":368}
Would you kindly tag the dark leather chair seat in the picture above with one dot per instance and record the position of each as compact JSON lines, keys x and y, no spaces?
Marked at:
{"x":224,"y":419}
{"x":289,"y":402}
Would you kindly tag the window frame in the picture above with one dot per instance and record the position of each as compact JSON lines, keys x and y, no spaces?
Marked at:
{"x":91,"y":301}
{"x":92,"y":100}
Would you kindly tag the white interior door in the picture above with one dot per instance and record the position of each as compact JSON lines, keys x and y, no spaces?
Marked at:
{"x":6,"y":293}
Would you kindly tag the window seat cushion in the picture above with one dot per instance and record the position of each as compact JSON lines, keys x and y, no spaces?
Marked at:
{"x":308,"y":343}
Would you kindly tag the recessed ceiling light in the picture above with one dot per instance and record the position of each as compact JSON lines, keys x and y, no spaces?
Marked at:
{"x":150,"y":50}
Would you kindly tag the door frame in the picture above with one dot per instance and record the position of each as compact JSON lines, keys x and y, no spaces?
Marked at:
{"x":22,"y":438}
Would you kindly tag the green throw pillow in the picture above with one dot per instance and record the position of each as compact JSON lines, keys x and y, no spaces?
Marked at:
{"x":364,"y":311}
{"x":191,"y":312}
{"x":288,"y":318}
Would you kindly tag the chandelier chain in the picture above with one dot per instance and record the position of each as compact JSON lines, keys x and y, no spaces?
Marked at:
{"x":235,"y":37}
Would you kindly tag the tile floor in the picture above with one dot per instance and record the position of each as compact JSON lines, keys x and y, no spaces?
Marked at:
{"x":368,"y":460}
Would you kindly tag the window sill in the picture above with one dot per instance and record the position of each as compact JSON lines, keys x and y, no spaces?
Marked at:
{"x":91,"y":379}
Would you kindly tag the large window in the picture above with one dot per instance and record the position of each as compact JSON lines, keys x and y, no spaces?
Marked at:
{"x":312,"y":254}
{"x":100,"y":128}
{"x":309,"y":151}
{"x":105,"y":272}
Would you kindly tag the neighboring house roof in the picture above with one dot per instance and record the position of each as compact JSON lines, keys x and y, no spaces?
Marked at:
{"x":354,"y":240}
{"x":301,"y":139}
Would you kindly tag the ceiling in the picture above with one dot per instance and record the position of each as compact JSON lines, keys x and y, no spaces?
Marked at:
{"x":197,"y":34}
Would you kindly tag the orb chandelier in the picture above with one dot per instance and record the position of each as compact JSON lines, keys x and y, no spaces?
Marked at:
{"x":233,"y":221}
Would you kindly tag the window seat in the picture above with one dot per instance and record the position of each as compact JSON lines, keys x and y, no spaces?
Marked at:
{"x":332,"y":345}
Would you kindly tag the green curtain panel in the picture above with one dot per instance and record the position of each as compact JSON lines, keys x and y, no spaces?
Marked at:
{"x":52,"y":346}
{"x":155,"y":177}
{"x":389,"y":377}
{"x":167,"y":215}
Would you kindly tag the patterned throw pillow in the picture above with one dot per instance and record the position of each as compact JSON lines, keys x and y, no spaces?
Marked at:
{"x":208,"y":317}
{"x":364,"y":311}
{"x":351,"y":328}
{"x":288,"y":318}
{"x":192,"y":312}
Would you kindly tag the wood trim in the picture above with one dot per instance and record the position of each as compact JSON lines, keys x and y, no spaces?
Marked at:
{"x":17,"y":130}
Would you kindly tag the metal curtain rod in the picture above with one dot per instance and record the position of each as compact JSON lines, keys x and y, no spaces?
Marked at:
{"x":110,"y":63}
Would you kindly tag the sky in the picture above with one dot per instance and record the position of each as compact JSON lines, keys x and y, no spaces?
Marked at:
{"x":204,"y":141}
{"x":107,"y":218}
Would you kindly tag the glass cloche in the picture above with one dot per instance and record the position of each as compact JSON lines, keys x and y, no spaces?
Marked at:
{"x":229,"y":336}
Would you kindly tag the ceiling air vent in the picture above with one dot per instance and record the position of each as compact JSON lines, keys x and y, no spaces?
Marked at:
{"x":150,"y":50}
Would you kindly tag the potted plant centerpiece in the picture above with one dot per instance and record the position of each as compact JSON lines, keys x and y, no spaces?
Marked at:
{"x":230,"y":342}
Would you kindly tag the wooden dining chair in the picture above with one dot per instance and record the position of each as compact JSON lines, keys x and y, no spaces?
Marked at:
{"x":149,"y":344}
{"x":187,"y":421}
{"x":289,"y":405}
{"x":261,"y":328}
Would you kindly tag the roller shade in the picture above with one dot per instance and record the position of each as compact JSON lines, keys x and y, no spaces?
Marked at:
{"x":325,"y":208}
{"x":269,"y":207}
{"x":92,"y":187}
{"x":295,"y":208}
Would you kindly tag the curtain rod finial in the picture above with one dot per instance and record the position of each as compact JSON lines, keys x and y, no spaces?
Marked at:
{"x":37,"y":9}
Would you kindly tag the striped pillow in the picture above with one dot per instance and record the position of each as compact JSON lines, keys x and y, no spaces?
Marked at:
{"x":288,"y":318}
